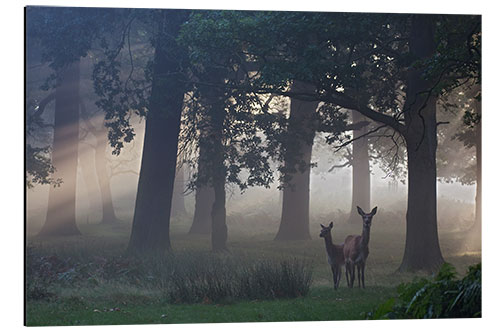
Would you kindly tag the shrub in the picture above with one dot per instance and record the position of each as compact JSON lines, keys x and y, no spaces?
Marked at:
{"x":185,"y":277}
{"x":268,"y":279}
{"x":220,"y":279}
{"x":445,"y":296}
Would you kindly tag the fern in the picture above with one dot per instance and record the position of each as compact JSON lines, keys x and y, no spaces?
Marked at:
{"x":444,"y":296}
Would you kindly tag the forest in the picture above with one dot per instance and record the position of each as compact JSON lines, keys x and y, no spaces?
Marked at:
{"x":201,"y":166}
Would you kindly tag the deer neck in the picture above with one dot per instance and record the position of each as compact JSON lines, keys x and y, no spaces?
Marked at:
{"x":365,"y":237}
{"x":329,"y":244}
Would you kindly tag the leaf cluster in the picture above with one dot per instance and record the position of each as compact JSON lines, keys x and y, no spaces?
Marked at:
{"x":444,"y":296}
{"x":39,"y":169}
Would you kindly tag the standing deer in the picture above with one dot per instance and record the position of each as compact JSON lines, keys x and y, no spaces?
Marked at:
{"x":335,"y":254}
{"x":356,"y":250}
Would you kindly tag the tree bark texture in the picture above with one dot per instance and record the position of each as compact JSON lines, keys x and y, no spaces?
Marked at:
{"x":151,"y":223}
{"x":178,"y":205}
{"x":360,"y":170}
{"x":217,"y":169}
{"x":422,"y":250}
{"x":301,"y":130}
{"x":61,"y":218}
{"x":204,"y":199}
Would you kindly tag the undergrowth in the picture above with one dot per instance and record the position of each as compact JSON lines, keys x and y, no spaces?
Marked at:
{"x":445,"y":296}
{"x":188,"y":277}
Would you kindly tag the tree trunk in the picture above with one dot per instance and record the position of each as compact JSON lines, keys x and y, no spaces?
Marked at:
{"x":474,"y":238}
{"x":178,"y":206}
{"x":204,"y":199}
{"x":218,"y":214}
{"x":108,"y":210}
{"x":301,"y":130}
{"x":151,"y":223}
{"x":360,"y":171}
{"x":86,"y":163}
{"x":61,"y":217}
{"x":217,"y":172}
{"x":422,"y":251}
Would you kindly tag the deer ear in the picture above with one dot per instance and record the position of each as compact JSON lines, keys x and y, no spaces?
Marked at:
{"x":322,"y":226}
{"x":360,"y":211}
{"x":331,"y":225}
{"x":374,"y":210}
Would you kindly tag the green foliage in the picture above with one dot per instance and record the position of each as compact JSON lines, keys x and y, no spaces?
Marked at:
{"x":39,"y":167}
{"x":183,"y":277}
{"x":66,"y":33}
{"x":445,"y":296}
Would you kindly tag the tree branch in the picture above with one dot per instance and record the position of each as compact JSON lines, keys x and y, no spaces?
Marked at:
{"x":43,"y":103}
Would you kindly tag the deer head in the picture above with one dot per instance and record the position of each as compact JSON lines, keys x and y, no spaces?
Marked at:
{"x":367,"y":218}
{"x":325,"y":230}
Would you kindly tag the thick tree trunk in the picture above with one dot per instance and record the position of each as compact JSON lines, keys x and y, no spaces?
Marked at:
{"x":108,"y":210}
{"x":61,"y":218}
{"x":151,"y":224}
{"x":204,"y":199}
{"x":422,"y":251}
{"x":360,"y":171}
{"x":217,"y":171}
{"x":301,"y":130}
{"x":178,"y":206}
{"x":218,"y":214}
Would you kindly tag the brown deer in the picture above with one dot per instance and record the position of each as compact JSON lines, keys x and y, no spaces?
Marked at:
{"x":335,"y":254}
{"x":356,"y":250}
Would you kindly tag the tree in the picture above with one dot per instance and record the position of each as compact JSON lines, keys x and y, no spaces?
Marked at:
{"x":301,"y":130}
{"x":150,"y":228}
{"x":178,"y":206}
{"x":100,"y":160}
{"x":204,"y":199}
{"x":224,"y":124}
{"x":393,"y":59}
{"x":360,"y":162}
{"x":65,"y":36}
{"x":459,"y":156}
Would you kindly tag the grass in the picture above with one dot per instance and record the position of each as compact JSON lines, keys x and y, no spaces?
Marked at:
{"x":141,"y":302}
{"x":321,"y":304}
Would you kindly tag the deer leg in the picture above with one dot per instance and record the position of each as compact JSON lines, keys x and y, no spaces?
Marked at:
{"x":339,"y":275}
{"x":347,"y":273}
{"x":359,"y":276}
{"x":334,"y":274}
{"x":363,"y":274}
{"x":353,"y":275}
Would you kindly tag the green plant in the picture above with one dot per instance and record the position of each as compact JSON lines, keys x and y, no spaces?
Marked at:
{"x":445,"y":296}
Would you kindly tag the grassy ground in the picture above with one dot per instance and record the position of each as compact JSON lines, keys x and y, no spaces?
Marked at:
{"x":322,"y":303}
{"x":115,"y":302}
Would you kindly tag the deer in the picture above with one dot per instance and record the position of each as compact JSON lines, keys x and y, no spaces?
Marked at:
{"x":356,"y":250}
{"x":335,"y":254}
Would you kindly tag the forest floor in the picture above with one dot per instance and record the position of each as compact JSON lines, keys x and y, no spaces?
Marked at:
{"x":99,"y":302}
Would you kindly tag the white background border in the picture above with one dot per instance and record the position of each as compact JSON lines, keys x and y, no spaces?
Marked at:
{"x":11,"y":203}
